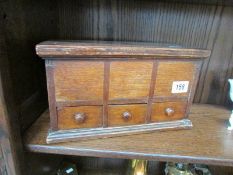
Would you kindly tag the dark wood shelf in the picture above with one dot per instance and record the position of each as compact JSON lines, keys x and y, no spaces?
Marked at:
{"x":208,"y":142}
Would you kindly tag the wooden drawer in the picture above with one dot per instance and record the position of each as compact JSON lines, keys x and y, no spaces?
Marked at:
{"x":167,"y":111}
{"x":120,"y":115}
{"x":171,"y":71}
{"x":78,"y":80}
{"x":80,"y":117}
{"x":130,"y":79}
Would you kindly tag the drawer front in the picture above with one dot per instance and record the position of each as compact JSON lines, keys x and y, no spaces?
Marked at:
{"x":167,"y":111}
{"x":80,"y":117}
{"x":79,"y":80}
{"x":174,"y":72}
{"x":121,"y":115}
{"x":129,"y":79}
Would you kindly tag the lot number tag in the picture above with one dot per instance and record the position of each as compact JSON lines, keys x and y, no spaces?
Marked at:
{"x":180,"y":86}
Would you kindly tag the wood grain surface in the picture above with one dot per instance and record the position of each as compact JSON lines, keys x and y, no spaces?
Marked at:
{"x":78,"y":80}
{"x":129,"y":79}
{"x":209,"y":141}
{"x":171,"y":71}
{"x":51,"y":94}
{"x":159,"y":111}
{"x":93,"y":117}
{"x":116,"y":118}
{"x":92,"y":49}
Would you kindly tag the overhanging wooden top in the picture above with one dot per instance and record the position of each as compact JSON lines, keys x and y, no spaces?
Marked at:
{"x":104,"y":49}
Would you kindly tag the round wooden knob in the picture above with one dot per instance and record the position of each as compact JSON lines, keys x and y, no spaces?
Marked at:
{"x":126,"y":115}
{"x":80,"y":117}
{"x":169,"y":112}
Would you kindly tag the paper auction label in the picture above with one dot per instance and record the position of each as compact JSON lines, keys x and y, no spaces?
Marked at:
{"x":180,"y":87}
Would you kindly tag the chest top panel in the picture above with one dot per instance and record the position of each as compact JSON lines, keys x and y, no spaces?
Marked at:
{"x":120,"y":50}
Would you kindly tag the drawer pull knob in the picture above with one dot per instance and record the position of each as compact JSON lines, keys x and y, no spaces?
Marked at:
{"x":126,"y":115}
{"x":80,"y":117}
{"x":169,"y":112}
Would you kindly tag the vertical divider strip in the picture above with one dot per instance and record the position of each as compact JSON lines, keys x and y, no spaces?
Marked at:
{"x":106,"y":92}
{"x":51,"y":94}
{"x":151,"y":92}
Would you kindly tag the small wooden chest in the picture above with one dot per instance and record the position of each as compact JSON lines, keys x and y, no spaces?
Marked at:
{"x":102,"y":89}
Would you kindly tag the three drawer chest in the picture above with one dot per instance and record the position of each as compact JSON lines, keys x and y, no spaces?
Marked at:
{"x":103,"y":89}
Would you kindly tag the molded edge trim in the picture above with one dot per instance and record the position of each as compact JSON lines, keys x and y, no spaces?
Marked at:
{"x":81,"y":134}
{"x":96,"y":50}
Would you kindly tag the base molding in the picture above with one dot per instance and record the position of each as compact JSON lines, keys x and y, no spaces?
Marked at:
{"x":82,"y":134}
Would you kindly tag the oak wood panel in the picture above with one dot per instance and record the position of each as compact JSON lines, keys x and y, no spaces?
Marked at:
{"x":137,"y":112}
{"x":129,"y":79}
{"x":159,"y":113}
{"x":209,"y":141}
{"x":79,"y":80}
{"x":171,"y":71}
{"x":93,"y":117}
